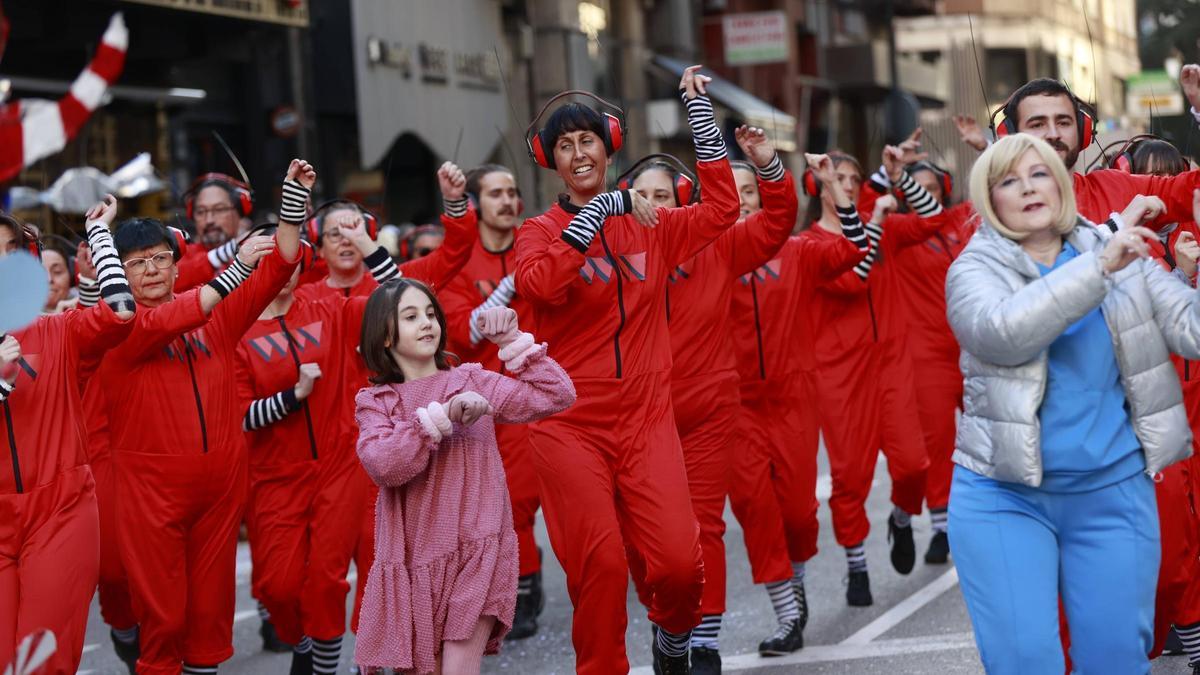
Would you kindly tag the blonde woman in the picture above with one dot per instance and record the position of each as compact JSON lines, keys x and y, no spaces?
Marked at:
{"x":1071,"y":405}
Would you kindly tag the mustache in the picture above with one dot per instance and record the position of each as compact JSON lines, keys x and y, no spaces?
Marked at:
{"x":1058,"y":145}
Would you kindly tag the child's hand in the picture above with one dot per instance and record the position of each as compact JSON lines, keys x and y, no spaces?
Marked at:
{"x":466,"y":408}
{"x":498,"y":324}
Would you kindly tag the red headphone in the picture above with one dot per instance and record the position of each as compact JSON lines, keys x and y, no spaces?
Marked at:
{"x":28,"y":235}
{"x":178,"y":241}
{"x":942,"y":175}
{"x":243,"y":196}
{"x":687,"y":188}
{"x":316,"y":224}
{"x":538,"y":144}
{"x":1085,"y":120}
{"x":1123,"y":159}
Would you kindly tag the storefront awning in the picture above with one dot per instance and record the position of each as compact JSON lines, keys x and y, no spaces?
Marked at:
{"x":779,"y":125}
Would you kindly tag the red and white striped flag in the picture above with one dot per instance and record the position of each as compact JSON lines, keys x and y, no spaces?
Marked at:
{"x":31,"y":129}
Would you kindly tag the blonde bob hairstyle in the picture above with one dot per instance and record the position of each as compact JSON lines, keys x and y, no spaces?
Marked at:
{"x":999,"y":160}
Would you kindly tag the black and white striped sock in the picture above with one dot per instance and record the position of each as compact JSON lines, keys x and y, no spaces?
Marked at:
{"x":304,"y":646}
{"x":783,"y":601}
{"x":264,"y":614}
{"x":918,"y":199}
{"x":1190,"y":637}
{"x":192,"y":669}
{"x":222,"y":255}
{"x":294,"y":206}
{"x":456,"y":208}
{"x":772,"y":172}
{"x":326,"y":654}
{"x":269,"y":410}
{"x":525,"y":585}
{"x":584,"y":226}
{"x":233,"y":276}
{"x":110,"y":273}
{"x":707,"y":633}
{"x":938,"y":519}
{"x":381,"y":265}
{"x":798,"y":569}
{"x":856,"y":558}
{"x":671,"y":644}
{"x":710,"y":145}
{"x":501,"y":297}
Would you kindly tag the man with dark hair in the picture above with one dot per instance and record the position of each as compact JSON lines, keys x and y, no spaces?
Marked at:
{"x":218,"y":213}
{"x":485,"y":282}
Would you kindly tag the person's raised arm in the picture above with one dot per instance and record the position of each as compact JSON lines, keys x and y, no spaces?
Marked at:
{"x":758,"y":237}
{"x":353,"y":227}
{"x":440,"y":267}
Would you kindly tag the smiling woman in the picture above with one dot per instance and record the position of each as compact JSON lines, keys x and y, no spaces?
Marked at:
{"x":1070,"y":405}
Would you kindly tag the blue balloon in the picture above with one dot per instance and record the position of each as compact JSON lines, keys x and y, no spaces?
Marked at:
{"x":24,"y":286}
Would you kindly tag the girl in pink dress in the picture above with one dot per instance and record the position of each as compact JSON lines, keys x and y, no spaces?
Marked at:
{"x":443,"y":588}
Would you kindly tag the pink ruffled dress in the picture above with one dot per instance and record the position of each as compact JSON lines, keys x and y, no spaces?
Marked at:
{"x":445,"y":549}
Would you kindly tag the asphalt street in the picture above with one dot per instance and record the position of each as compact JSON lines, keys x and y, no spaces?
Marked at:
{"x":918,"y":624}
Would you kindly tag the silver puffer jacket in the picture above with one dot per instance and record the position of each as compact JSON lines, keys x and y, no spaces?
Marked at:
{"x":1005,"y":315}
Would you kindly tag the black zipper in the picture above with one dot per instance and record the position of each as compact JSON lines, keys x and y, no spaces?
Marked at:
{"x":871,"y":309}
{"x":187,"y":355}
{"x":762,"y":362}
{"x":667,"y":292}
{"x":616,"y":264}
{"x":287,"y":335}
{"x":12,"y":446}
{"x":945,"y":246}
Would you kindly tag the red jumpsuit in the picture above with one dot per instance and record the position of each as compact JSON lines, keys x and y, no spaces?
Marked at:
{"x":49,"y":527}
{"x":773,"y":487}
{"x":612,"y":466}
{"x":300,"y":469}
{"x":175,"y":427}
{"x":1100,"y":193}
{"x":437,"y":270}
{"x":864,"y":393}
{"x":194,"y":269}
{"x":481,"y":275}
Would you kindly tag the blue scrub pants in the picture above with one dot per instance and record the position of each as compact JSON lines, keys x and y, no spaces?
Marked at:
{"x":1017,"y":549}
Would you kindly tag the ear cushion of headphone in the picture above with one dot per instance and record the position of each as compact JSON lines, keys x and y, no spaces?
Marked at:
{"x":812,"y":187}
{"x":32,"y":243}
{"x":308,"y":256}
{"x":947,"y":185}
{"x":1087,"y":127}
{"x":371,"y":223}
{"x":614,"y":138}
{"x":684,"y":190}
{"x":537,"y":146}
{"x":179,"y":240}
{"x":1124,"y":162}
{"x":623,"y":184}
{"x":188,"y":205}
{"x":312,"y":229}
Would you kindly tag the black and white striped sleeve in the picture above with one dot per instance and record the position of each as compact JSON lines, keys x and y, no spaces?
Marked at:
{"x":772,"y":172}
{"x":857,"y":234}
{"x":6,"y":390}
{"x":231,"y":278}
{"x":382,"y":267}
{"x":879,"y":181}
{"x":89,"y":292}
{"x":874,"y":233}
{"x":584,"y":226}
{"x":1115,"y":222}
{"x":710,"y":145}
{"x":456,"y":208}
{"x":294,"y":206}
{"x":920,"y":201}
{"x":501,"y":297}
{"x":222,"y":255}
{"x":269,"y":410}
{"x":110,"y":273}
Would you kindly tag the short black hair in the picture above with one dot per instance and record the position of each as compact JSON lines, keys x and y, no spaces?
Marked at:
{"x":475,"y":176}
{"x":379,"y":329}
{"x":1042,"y":86}
{"x":1165,"y":157}
{"x":224,"y":185}
{"x":136,"y":234}
{"x":568,"y":118}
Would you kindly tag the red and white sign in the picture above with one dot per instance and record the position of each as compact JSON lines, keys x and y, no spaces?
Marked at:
{"x":755,"y":37}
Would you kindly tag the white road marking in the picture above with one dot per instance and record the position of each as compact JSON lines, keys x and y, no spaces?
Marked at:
{"x":906,"y":608}
{"x":844,"y":652}
{"x":824,"y":486}
{"x":90,"y":648}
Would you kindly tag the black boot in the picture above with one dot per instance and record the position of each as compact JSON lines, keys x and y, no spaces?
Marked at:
{"x":939,"y":549}
{"x":788,"y":638}
{"x":706,"y":661}
{"x":271,"y":641}
{"x":1173,"y":646}
{"x":858,"y":590}
{"x":302,"y":664}
{"x":525,"y":623}
{"x":802,"y":601}
{"x":128,"y":652}
{"x":669,"y":665}
{"x":904,"y":551}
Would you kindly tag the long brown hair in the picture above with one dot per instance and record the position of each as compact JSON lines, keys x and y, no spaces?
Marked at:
{"x":379,"y":330}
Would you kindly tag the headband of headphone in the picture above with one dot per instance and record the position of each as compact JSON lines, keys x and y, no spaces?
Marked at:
{"x":687,"y":188}
{"x":177,"y":240}
{"x":541,"y":147}
{"x":1123,"y":159}
{"x":243,"y":196}
{"x":315,"y":227}
{"x":943,"y":176}
{"x":1085,"y":119}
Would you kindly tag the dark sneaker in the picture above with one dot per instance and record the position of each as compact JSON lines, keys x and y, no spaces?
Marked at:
{"x":858,"y":590}
{"x":939,"y":549}
{"x":524,"y":623}
{"x":788,"y":638}
{"x":271,"y":641}
{"x":802,"y":602}
{"x":669,"y":665}
{"x":302,"y":664}
{"x":904,"y":551}
{"x":128,"y":652}
{"x":1196,"y":668}
{"x":1173,"y":646}
{"x":706,"y":661}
